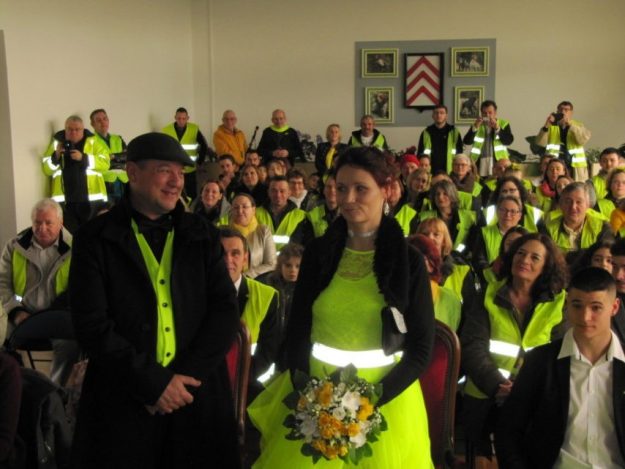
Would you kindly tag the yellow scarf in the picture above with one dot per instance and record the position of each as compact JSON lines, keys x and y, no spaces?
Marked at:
{"x":280,"y":130}
{"x":246,"y":230}
{"x":330,"y":157}
{"x":435,"y":291}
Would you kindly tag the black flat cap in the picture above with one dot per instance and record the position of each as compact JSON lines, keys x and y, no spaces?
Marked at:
{"x":157,"y":146}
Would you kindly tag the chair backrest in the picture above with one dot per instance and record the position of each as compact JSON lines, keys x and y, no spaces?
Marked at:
{"x":438,"y":383}
{"x":238,"y":360}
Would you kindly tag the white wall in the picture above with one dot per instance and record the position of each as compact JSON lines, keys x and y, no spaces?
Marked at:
{"x":7,"y":187}
{"x":141,"y":59}
{"x":300,"y":56}
{"x":133,"y":58}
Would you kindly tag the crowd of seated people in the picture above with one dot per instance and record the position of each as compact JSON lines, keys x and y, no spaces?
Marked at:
{"x":498,"y":246}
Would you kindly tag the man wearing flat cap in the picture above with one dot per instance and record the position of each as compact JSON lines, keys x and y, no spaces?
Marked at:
{"x":155,"y":310}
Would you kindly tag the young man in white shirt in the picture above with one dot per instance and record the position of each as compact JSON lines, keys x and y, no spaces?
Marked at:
{"x":567,"y":406}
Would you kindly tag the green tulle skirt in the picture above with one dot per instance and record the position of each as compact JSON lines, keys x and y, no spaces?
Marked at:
{"x":405,"y":444}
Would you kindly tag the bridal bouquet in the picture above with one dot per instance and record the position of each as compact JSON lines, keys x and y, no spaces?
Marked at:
{"x":334,"y":416}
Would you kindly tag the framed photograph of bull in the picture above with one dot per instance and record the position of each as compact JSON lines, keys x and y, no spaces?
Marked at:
{"x":467,"y":100}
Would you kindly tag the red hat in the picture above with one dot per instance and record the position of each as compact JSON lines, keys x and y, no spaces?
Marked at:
{"x":409,"y":158}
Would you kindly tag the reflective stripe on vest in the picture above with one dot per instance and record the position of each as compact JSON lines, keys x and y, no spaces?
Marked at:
{"x":578,"y":156}
{"x":189,"y":139}
{"x":281,"y":234}
{"x":160,"y":276}
{"x":281,"y":239}
{"x":499,"y":149}
{"x":19,"y":266}
{"x":361,"y":359}
{"x":452,"y":138}
{"x":506,"y":341}
{"x":504,"y":348}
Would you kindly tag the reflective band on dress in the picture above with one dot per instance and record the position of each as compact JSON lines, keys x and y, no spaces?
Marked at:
{"x":193,"y":146}
{"x":253,"y":348}
{"x":505,"y":373}
{"x":267,"y":374}
{"x":361,"y":359}
{"x":504,"y":348}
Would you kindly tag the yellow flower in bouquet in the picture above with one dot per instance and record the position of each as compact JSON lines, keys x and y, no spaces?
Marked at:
{"x":334,"y":416}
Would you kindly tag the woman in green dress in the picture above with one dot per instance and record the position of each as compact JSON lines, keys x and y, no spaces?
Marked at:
{"x":348,"y":275}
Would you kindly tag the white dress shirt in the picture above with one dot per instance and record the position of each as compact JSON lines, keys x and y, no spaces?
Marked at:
{"x":590,"y":439}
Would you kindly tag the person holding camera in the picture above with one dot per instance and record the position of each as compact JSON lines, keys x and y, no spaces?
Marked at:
{"x":564,"y":138}
{"x":489,"y":137}
{"x":75,"y":160}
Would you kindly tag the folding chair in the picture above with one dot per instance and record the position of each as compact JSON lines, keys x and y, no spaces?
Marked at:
{"x":438,"y":383}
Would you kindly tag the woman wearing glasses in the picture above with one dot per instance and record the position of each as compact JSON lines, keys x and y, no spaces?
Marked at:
{"x":488,"y":238}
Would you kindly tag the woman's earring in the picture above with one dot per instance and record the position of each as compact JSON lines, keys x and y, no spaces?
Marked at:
{"x":385,"y":208}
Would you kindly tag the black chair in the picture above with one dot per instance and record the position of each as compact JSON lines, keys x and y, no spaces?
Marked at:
{"x":34,"y":334}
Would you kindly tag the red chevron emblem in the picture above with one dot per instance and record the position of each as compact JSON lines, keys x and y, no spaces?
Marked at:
{"x":423,"y":79}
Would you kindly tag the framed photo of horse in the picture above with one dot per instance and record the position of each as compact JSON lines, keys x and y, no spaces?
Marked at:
{"x":469,"y":61}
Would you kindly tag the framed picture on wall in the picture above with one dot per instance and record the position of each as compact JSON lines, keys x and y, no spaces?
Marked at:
{"x":423,"y":80}
{"x":469,"y":61}
{"x":380,"y":104}
{"x":379,"y":63}
{"x":467,"y":100}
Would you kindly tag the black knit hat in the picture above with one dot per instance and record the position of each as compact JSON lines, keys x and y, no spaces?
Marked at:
{"x":157,"y":146}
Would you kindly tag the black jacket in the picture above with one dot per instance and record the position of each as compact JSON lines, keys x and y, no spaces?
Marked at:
{"x":287,"y":140}
{"x":533,"y":420}
{"x":320,"y":155}
{"x":114,"y":310}
{"x":403,"y":281}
